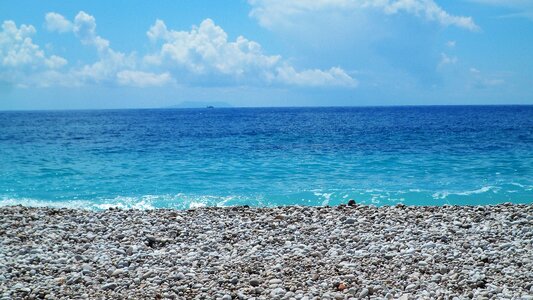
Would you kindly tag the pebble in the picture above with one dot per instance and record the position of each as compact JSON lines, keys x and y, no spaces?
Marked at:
{"x":254,"y":282}
{"x":363,"y":293}
{"x":109,"y":286}
{"x":147,"y":274}
{"x":350,"y":221}
{"x":304,"y":253}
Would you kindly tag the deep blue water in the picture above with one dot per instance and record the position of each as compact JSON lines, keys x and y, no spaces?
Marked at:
{"x":180,"y":158}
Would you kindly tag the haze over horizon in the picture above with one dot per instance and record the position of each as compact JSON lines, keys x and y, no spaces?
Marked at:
{"x":133,"y":54}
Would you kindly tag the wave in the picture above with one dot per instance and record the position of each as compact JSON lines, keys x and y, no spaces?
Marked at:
{"x":485,"y":189}
{"x":73,"y":204}
{"x":525,"y":187}
{"x":489,"y":194}
{"x":326,"y":196}
{"x":145,"y":202}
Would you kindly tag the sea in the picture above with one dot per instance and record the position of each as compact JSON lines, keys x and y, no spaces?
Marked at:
{"x":189,"y":158}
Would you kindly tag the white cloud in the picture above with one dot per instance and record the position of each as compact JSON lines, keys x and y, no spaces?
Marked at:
{"x":55,"y":62}
{"x":427,"y":9}
{"x":332,"y":77}
{"x":202,"y":55}
{"x":85,"y":29}
{"x":447,"y":60}
{"x":205,"y":50}
{"x":271,"y":13}
{"x":109,"y":63}
{"x":56,"y":22}
{"x":451,"y":44}
{"x":16,"y":46}
{"x":22,"y":61}
{"x":83,"y":26}
{"x":158,"y":31}
{"x":143,"y":79}
{"x":106,"y":67}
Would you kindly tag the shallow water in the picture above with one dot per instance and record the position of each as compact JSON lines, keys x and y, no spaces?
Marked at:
{"x":181,"y":158}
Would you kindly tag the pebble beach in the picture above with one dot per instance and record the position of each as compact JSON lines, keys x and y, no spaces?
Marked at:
{"x":341,"y":252}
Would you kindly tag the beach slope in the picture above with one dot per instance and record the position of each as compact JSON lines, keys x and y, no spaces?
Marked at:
{"x":344,"y":252}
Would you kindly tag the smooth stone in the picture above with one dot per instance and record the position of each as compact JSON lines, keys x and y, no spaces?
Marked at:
{"x":109,"y":286}
{"x":254,"y":282}
{"x":364,"y":293}
{"x":350,"y":221}
{"x":147,"y":274}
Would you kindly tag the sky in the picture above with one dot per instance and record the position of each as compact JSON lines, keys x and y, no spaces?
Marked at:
{"x":153,"y":54}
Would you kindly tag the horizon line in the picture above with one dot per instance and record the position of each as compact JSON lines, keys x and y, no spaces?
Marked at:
{"x":253,"y":107}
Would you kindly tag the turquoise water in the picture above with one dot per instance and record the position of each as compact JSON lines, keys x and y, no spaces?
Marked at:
{"x":181,"y":158}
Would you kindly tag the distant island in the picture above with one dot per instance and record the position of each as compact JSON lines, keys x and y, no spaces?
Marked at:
{"x":195,"y":104}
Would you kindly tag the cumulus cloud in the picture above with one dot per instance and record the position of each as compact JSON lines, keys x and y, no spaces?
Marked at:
{"x":332,"y":77}
{"x":17,"y":48}
{"x":143,"y":79}
{"x":23,"y":61}
{"x":109,"y":63}
{"x":85,"y":29}
{"x":269,"y":13}
{"x":83,"y":26}
{"x":206,"y":50}
{"x":203,"y":54}
{"x":105,"y":69}
{"x":158,"y":31}
{"x":361,"y":34}
{"x":56,"y":22}
{"x":55,"y":62}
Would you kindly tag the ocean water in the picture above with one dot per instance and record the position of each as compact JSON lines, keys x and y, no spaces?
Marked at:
{"x":182,"y":158}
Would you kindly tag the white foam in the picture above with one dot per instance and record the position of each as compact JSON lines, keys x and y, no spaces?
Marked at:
{"x":143,"y":203}
{"x":73,"y":204}
{"x":525,"y":187}
{"x":327,"y":197}
{"x":194,"y":204}
{"x":445,"y":194}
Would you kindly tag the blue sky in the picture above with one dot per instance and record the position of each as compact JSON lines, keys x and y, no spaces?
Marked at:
{"x":133,"y":54}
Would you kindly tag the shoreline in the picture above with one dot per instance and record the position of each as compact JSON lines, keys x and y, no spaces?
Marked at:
{"x":288,"y":252}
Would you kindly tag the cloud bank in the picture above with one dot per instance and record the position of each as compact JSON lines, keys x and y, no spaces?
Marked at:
{"x":272,"y":13}
{"x":194,"y":57}
{"x":206,"y":50}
